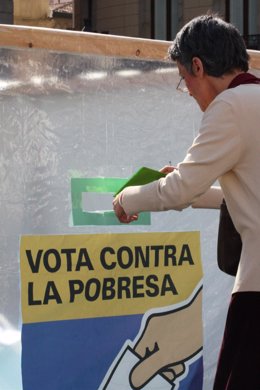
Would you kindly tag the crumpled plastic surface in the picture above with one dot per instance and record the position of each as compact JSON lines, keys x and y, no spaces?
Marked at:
{"x":65,"y":116}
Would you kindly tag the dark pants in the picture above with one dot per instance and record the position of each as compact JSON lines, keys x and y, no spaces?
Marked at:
{"x":239,"y":359}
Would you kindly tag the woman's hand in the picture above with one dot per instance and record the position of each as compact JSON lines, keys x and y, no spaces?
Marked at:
{"x":167,"y":169}
{"x":120,"y":212}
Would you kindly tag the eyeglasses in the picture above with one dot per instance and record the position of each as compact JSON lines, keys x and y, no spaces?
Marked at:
{"x":181,"y":85}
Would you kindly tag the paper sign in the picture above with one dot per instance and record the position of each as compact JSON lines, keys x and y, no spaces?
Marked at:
{"x":95,"y":305}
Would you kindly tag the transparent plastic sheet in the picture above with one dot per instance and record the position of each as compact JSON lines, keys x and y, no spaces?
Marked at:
{"x":65,"y":116}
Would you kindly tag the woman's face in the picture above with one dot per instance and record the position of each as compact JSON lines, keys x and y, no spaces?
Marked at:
{"x":197,"y":84}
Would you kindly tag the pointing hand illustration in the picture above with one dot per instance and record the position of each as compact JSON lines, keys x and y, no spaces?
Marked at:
{"x":168,"y":341}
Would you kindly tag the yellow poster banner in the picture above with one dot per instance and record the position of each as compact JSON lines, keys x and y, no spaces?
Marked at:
{"x":104,"y":275}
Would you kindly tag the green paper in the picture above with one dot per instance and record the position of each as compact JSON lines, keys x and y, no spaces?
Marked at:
{"x":143,"y":176}
{"x":100,"y":185}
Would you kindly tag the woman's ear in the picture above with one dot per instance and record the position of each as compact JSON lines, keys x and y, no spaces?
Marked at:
{"x":197,"y":66}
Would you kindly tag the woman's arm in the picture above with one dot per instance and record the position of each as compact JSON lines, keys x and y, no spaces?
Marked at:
{"x":211,"y":199}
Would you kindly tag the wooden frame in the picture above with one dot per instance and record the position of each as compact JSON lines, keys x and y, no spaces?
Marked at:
{"x":82,"y":42}
{"x":91,"y":43}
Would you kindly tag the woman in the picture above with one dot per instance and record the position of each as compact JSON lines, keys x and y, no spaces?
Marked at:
{"x":213,"y":62}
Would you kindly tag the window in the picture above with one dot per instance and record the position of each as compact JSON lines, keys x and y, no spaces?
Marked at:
{"x":166,"y":17}
{"x":245,"y":15}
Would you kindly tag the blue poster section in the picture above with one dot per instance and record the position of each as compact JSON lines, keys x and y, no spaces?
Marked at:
{"x":73,"y":354}
{"x":76,"y":354}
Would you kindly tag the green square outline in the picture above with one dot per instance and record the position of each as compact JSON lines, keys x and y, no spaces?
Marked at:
{"x":101,"y":185}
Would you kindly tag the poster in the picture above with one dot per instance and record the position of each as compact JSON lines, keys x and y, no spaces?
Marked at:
{"x":111,"y":311}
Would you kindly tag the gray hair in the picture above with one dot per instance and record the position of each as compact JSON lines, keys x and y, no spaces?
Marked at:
{"x":217,"y":43}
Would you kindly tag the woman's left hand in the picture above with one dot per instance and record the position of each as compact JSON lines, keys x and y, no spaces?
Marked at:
{"x":167,"y":169}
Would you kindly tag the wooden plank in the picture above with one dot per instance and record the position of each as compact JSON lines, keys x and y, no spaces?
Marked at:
{"x":254,"y":58}
{"x":82,"y":42}
{"x":91,"y":43}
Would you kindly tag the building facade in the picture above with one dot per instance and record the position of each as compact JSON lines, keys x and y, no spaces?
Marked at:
{"x":43,"y":13}
{"x":161,"y":19}
{"x":6,"y":12}
{"x":155,"y":19}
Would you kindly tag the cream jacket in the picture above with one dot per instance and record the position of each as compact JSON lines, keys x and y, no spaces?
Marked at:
{"x":227,"y":149}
